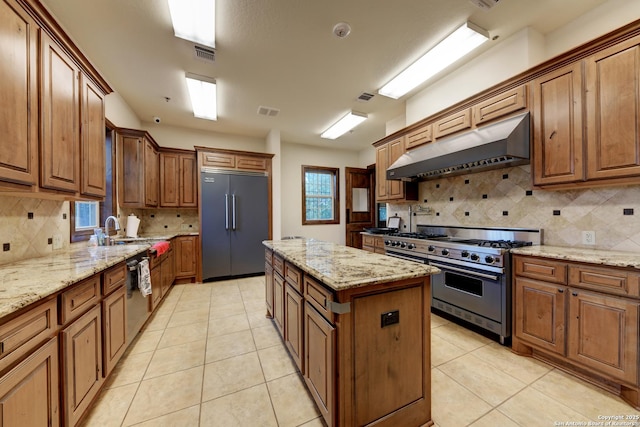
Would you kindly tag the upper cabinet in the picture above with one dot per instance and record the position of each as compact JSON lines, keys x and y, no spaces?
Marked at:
{"x":178,"y":179}
{"x":51,"y":109}
{"x":138,"y":166}
{"x":393,"y":189}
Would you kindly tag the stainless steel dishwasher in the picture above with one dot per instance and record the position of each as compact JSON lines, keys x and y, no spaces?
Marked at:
{"x":137,"y":305}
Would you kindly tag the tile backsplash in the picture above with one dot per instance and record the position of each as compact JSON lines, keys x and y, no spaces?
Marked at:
{"x":505,"y":198}
{"x":159,"y":221}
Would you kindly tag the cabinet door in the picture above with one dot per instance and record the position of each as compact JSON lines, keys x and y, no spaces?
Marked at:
{"x":500,"y":105}
{"x":268,"y":284}
{"x":319,"y":345}
{"x":114,"y":318}
{"x":382,"y":164}
{"x":81,"y":364}
{"x":613,"y":108}
{"x":540,"y":314}
{"x":169,"y":180}
{"x":294,"y":325}
{"x":452,"y":123}
{"x":131,"y":174}
{"x":60,"y":144}
{"x":156,"y":287}
{"x":278,"y":302}
{"x":19,"y":100}
{"x":151,"y":162}
{"x":186,"y":256}
{"x":167,"y":273}
{"x":29,"y":392}
{"x":93,"y":147}
{"x":395,"y":187}
{"x":557,"y":126}
{"x":603,"y":334}
{"x":188,"y":181}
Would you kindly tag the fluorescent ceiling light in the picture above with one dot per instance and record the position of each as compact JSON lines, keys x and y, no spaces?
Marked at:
{"x":202,"y":91}
{"x":194,"y":20}
{"x":344,"y":125}
{"x":462,"y":41}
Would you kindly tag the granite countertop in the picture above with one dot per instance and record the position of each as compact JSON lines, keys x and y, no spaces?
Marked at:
{"x":342,"y":267}
{"x":28,"y":281}
{"x":591,"y":256}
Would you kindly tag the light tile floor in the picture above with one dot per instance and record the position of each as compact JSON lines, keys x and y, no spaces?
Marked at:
{"x":209,"y":357}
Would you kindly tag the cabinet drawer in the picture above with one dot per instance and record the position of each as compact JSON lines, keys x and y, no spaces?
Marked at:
{"x":604,"y":279}
{"x":370,"y":240}
{"x":500,"y":105}
{"x":21,"y":335}
{"x":114,"y":278}
{"x":268,"y":256}
{"x":453,"y":123}
{"x":278,"y":264}
{"x":251,"y":163}
{"x":293,"y":276}
{"x":541,"y":269}
{"x":419,"y":136}
{"x":220,"y":160}
{"x":79,"y":299}
{"x":318,"y":296}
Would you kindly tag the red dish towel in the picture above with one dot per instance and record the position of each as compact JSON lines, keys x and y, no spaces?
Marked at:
{"x":160,"y":247}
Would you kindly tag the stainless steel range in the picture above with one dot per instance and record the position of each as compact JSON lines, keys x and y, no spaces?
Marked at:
{"x":475,"y":283}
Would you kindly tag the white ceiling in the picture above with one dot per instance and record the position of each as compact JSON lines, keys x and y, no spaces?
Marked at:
{"x":283,"y":54}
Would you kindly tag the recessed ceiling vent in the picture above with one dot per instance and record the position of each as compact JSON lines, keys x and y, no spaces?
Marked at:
{"x":365,"y":96}
{"x":485,"y":4}
{"x":268,"y":111}
{"x":205,"y":53}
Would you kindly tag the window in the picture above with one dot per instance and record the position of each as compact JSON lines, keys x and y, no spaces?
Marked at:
{"x":87,"y":215}
{"x":320,"y":196}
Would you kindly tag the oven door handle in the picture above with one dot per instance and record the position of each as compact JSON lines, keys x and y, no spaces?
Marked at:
{"x":406,"y":258}
{"x":461,"y":270}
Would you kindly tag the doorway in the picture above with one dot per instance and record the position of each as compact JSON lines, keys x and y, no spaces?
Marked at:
{"x":361,"y":208}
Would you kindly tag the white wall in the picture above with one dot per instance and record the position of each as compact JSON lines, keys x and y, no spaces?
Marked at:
{"x":293,"y":157}
{"x":118,"y":112}
{"x":275,"y":146}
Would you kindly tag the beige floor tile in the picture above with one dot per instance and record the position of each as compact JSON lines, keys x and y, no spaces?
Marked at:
{"x":291,"y":401}
{"x":249,"y":407}
{"x":452,"y":405}
{"x":526,"y":369}
{"x":225,"y":346}
{"x":157,"y":322}
{"x":166,"y":394}
{"x":112,"y":406}
{"x":231,"y":375}
{"x":130,"y":369}
{"x":489,"y":383}
{"x":146,"y":342}
{"x":259,"y":319}
{"x":267,"y":336}
{"x":437,"y":321}
{"x":177,"y":358}
{"x":165,"y":308}
{"x":276,"y":362}
{"x":316,"y":422}
{"x":461,"y":337}
{"x":494,"y":418}
{"x":183,"y":334}
{"x":192,"y":304}
{"x":255,"y":305}
{"x":592,"y":401}
{"x":188,"y":317}
{"x":221,"y":310}
{"x":189,"y":417}
{"x":443,"y":351}
{"x":227,"y":325}
{"x":533,"y":408}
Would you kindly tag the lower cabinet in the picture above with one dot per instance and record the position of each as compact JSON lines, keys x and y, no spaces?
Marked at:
{"x":293,"y":325}
{"x":114,"y":333}
{"x":156,"y":287}
{"x":278,"y":302}
{"x":186,"y":258}
{"x":29,"y":392}
{"x":268,"y":292}
{"x":81,"y":364}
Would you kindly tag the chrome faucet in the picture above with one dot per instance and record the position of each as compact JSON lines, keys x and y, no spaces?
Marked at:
{"x":116,"y":226}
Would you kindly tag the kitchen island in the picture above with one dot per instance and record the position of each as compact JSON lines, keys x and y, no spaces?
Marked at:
{"x":357,"y":325}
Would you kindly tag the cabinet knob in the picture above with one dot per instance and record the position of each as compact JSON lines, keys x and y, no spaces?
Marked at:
{"x":575,"y":294}
{"x":561,"y":290}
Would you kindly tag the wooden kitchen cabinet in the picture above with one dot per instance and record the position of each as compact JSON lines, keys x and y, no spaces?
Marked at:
{"x":268,"y":292}
{"x":19,"y":101}
{"x":178,"y":179}
{"x":186,"y":257}
{"x":452,"y":123}
{"x":294,"y":325}
{"x":392,"y":190}
{"x":373,"y":243}
{"x":420,"y":136}
{"x":138,"y":168}
{"x":232,"y":159}
{"x":81,"y":364}
{"x":29,"y":393}
{"x":503,"y":104}
{"x":167,"y":271}
{"x":156,"y":287}
{"x":114,"y":334}
{"x":278,"y":302}
{"x":93,"y":149}
{"x":151,"y":174}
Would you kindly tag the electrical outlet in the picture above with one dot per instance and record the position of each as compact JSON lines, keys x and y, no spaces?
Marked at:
{"x":588,"y":237}
{"x":57,"y":241}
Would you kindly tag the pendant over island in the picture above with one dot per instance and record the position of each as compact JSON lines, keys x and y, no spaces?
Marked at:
{"x":357,"y":325}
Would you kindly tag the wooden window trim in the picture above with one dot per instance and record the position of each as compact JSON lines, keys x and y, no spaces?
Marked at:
{"x":336,"y":195}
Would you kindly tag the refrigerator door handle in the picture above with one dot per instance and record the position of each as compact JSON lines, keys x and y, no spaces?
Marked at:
{"x":233,"y":218}
{"x":226,"y":211}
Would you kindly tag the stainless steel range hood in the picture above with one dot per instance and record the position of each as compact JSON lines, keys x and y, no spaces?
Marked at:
{"x":500,"y":145}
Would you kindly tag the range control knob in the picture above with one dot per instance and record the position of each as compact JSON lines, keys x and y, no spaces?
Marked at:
{"x":394,"y":243}
{"x":489,"y":259}
{"x":474,"y":257}
{"x":431,"y":248}
{"x":445,"y":252}
{"x":464,"y":254}
{"x":387,"y":242}
{"x":411,"y":246}
{"x":403,"y":244}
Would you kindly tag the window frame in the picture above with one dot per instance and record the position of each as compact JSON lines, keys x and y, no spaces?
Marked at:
{"x":335,"y":172}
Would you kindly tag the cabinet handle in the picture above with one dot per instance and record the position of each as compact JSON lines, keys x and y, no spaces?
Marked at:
{"x":575,"y":294}
{"x":552,"y":134}
{"x":561,"y":290}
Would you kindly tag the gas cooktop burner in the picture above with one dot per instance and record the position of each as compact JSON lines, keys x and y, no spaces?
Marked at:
{"x":417,"y":235}
{"x":504,"y":244}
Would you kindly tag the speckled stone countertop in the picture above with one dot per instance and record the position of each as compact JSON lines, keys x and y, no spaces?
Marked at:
{"x":342,"y":267}
{"x":25,"y":282}
{"x":592,"y":256}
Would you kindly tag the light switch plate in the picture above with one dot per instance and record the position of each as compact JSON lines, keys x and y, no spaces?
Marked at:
{"x":57,"y":241}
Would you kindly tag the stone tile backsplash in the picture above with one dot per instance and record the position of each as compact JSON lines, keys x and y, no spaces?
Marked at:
{"x":159,"y":221}
{"x":505,"y":198}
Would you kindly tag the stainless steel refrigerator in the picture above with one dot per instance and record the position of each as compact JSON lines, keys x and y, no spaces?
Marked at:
{"x":235,"y":221}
